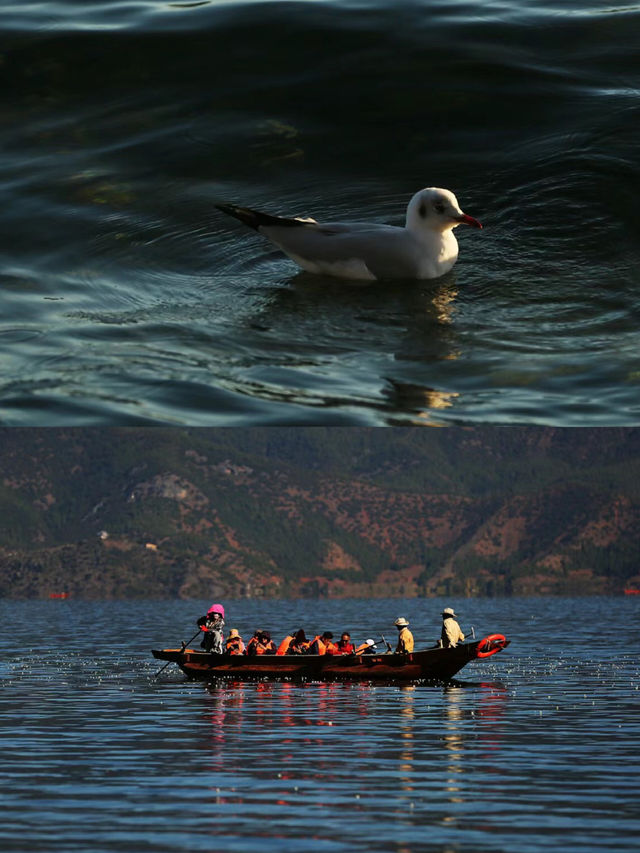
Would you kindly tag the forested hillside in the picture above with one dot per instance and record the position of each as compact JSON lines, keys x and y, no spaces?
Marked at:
{"x":319,"y":511}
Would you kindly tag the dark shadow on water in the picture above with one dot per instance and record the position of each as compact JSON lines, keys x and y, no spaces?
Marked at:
{"x":216,"y":684}
{"x":388,"y":340}
{"x":412,"y":319}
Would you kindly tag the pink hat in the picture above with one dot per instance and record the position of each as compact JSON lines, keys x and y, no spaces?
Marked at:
{"x":216,"y":608}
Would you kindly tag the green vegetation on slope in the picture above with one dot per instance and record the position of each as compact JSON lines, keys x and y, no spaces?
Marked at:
{"x":285,"y":511}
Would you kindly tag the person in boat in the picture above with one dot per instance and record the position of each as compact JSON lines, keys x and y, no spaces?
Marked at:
{"x":212,"y":625}
{"x":299,"y":645}
{"x":234,"y":644}
{"x":283,"y":648}
{"x":344,"y":644}
{"x":405,"y":637}
{"x":451,"y":634}
{"x":323,"y":644}
{"x":367,"y":648}
{"x":263,"y":644}
{"x":253,"y":642}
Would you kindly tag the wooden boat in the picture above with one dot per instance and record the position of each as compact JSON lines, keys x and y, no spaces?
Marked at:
{"x":435,"y":664}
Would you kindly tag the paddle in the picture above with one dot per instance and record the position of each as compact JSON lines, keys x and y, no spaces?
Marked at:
{"x":183,"y":647}
{"x":381,"y":640}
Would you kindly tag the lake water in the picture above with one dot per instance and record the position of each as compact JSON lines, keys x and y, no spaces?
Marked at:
{"x":536,"y":748}
{"x":127,"y":298}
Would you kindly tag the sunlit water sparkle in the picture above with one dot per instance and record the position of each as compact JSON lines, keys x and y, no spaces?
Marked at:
{"x":533,"y":749}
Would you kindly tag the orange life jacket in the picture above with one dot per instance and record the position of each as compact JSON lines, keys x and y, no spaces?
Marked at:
{"x":234,"y":646}
{"x":300,"y":649}
{"x":265,"y":648}
{"x":251,"y":646}
{"x":283,"y":648}
{"x":325,"y":647}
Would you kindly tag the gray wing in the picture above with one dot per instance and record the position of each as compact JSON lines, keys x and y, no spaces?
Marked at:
{"x":387,"y":251}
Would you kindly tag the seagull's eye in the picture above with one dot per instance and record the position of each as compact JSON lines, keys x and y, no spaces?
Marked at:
{"x":438,"y":206}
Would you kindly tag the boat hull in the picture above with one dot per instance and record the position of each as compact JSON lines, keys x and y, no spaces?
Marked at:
{"x":432,"y":664}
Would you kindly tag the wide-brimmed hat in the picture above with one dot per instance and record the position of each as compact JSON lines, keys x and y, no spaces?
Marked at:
{"x":448,"y":611}
{"x":370,"y":642}
{"x":216,"y":608}
{"x":401,"y":622}
{"x":233,"y":633}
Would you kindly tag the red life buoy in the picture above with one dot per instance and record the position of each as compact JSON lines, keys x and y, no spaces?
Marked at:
{"x":490,"y":645}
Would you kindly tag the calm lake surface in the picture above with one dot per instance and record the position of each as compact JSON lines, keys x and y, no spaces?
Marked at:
{"x":127,"y":298}
{"x":538,"y":748}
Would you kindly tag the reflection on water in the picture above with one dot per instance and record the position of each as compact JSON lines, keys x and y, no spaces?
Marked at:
{"x":407,"y":715}
{"x":536,"y":749}
{"x":443,"y":304}
{"x":421,"y":402}
{"x":454,"y":745}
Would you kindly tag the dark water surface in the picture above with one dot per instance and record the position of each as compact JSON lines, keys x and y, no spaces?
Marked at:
{"x":537,"y":749}
{"x":127,"y":298}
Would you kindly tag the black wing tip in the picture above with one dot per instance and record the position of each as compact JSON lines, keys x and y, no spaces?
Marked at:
{"x":255,"y":219}
{"x":244,"y":214}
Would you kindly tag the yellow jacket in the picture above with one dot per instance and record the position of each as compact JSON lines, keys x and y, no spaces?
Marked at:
{"x":405,"y":641}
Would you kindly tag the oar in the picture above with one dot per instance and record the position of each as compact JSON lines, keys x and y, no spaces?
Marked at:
{"x":184,"y":646}
{"x":381,"y":640}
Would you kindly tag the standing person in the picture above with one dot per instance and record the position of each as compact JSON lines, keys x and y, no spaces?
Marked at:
{"x":405,"y":637}
{"x":212,"y":625}
{"x":345,"y":646}
{"x":234,"y":644}
{"x":451,"y":634}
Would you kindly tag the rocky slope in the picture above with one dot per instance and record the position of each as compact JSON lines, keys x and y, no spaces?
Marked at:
{"x":306,"y":512}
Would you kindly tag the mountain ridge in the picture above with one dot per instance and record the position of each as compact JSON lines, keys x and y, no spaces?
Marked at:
{"x":130,"y":512}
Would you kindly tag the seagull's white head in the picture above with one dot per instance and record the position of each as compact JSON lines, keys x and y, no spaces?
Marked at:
{"x":437,"y":210}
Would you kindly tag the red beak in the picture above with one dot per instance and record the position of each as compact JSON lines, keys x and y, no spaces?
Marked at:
{"x":469,"y":220}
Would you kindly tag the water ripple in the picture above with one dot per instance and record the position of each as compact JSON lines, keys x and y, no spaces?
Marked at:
{"x":128,"y":297}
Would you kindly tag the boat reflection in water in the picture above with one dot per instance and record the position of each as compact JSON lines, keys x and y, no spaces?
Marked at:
{"x":441,"y":735}
{"x":300,"y":745}
{"x":454,"y":745}
{"x":407,"y":719}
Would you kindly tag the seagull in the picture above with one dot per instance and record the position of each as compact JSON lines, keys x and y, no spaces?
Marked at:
{"x":424,"y":248}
